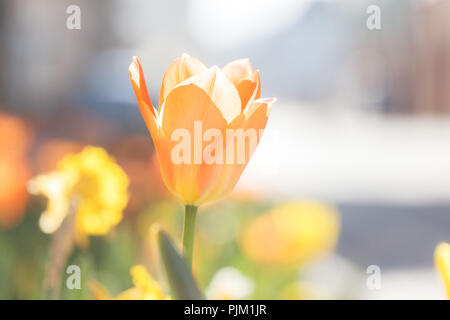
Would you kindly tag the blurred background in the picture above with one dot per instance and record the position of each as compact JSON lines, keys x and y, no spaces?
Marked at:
{"x":362,"y":124}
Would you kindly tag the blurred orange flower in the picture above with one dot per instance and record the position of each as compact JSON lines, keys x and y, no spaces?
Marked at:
{"x":196,"y":98}
{"x":291,"y":233}
{"x":52,"y":151}
{"x":14,"y":169}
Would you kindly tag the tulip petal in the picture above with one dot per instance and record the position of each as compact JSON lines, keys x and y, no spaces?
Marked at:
{"x":181,"y":69}
{"x":177,"y":113}
{"x":238,"y":70}
{"x":229,"y":174}
{"x":188,"y":103}
{"x":221,"y":91}
{"x":249,"y":90}
{"x":246,"y":80}
{"x":255,"y":119}
{"x":140,"y":89}
{"x":150,"y":116}
{"x":257,"y":106}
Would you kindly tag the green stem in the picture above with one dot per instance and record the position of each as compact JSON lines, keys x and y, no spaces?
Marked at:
{"x":188,"y":234}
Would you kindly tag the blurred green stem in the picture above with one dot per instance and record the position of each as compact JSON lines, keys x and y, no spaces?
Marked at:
{"x":188,"y":234}
{"x":61,"y":246}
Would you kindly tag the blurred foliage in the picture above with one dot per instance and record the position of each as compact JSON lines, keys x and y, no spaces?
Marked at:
{"x":108,"y":259}
{"x":23,"y":257}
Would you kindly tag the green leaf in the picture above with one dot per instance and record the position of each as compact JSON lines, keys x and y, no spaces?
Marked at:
{"x":180,"y":278}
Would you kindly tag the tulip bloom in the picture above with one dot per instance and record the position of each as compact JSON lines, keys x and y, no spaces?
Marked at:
{"x":217,"y":100}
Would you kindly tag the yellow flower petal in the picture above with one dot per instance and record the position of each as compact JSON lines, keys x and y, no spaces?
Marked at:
{"x":298,"y":232}
{"x":442,"y":260}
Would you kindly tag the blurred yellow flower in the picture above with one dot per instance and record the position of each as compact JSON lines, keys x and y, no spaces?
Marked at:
{"x":145,"y":288}
{"x":291,"y":233}
{"x":89,"y":184}
{"x":300,"y":290}
{"x":442,"y":260}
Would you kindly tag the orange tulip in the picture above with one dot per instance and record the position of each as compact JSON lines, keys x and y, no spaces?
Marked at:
{"x":218,"y":101}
